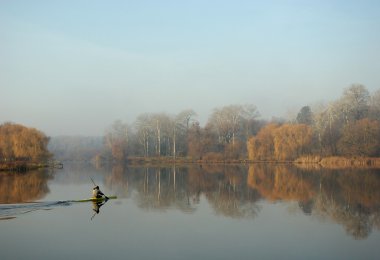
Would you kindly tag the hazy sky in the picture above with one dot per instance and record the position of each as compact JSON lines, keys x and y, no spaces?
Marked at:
{"x":73,"y":67}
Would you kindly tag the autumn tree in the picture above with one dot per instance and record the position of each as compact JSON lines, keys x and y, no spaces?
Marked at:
{"x":261,"y":146}
{"x":291,"y":141}
{"x":22,"y":143}
{"x":361,"y":138}
{"x":275,"y":142}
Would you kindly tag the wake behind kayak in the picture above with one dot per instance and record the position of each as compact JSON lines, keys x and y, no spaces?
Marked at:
{"x":10,"y":211}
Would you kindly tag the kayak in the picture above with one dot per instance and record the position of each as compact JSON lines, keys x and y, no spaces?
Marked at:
{"x":96,"y":199}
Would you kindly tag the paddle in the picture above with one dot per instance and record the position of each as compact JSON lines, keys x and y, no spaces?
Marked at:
{"x":93,"y":182}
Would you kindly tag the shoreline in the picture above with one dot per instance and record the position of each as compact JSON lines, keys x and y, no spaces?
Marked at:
{"x":24,"y":166}
{"x":329,"y":162}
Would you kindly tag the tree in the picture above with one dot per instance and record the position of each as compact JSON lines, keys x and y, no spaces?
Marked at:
{"x":327,"y":125}
{"x":360,"y":138}
{"x":285,"y":142}
{"x":354,"y":103}
{"x":22,"y":143}
{"x":374,"y":108}
{"x":116,"y":140}
{"x":144,"y":132}
{"x":290,"y":141}
{"x":194,"y":138}
{"x":230,"y":121}
{"x":305,"y":116}
{"x":160,"y":124}
{"x":181,"y":126}
{"x":261,"y":146}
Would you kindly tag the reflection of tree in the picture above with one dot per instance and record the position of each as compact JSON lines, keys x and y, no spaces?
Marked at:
{"x":153,"y":188}
{"x":230,"y":195}
{"x":350,"y":198}
{"x":182,"y":187}
{"x":23,"y":187}
{"x":280,"y":183}
{"x":117,"y":181}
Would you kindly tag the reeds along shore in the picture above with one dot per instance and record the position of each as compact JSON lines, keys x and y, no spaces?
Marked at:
{"x":332,"y":162}
{"x":337,"y":162}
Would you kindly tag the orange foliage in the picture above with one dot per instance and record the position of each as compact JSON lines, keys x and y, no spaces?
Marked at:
{"x":20,"y":142}
{"x":291,"y":141}
{"x":279,"y":183}
{"x":274,"y":142}
{"x":360,"y":138}
{"x":20,"y":187}
{"x":261,"y":147}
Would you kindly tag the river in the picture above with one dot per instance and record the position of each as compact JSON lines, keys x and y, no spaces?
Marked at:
{"x":191,"y":212}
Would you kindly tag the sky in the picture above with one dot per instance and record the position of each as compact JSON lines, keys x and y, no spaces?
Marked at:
{"x":74,"y":67}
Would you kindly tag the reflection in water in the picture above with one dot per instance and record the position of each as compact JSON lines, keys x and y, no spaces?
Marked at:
{"x":350,"y":197}
{"x":23,"y":187}
{"x":96,"y":207}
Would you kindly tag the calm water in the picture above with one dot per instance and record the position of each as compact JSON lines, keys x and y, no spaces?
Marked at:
{"x":234,"y":212}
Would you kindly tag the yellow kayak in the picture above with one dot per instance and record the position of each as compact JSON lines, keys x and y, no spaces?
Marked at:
{"x":96,"y":199}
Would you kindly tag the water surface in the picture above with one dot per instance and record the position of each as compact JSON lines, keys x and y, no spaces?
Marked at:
{"x":203,"y":212}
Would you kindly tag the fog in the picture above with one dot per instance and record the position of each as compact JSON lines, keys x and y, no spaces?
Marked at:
{"x":73,"y":68}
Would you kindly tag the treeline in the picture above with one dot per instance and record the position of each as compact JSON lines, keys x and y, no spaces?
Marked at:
{"x":160,"y":135}
{"x":349,"y":126}
{"x":20,"y":143}
{"x":75,"y":148}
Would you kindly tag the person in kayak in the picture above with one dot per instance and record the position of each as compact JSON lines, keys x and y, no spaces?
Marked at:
{"x":97,"y":193}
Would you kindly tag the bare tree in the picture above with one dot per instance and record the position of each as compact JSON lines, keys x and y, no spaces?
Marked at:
{"x":230,"y":120}
{"x":374,"y":108}
{"x":181,"y":126}
{"x":354,"y":103}
{"x":116,"y":140}
{"x":144,"y":132}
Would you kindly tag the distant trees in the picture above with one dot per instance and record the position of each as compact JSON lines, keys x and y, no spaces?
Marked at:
{"x":151,"y":135}
{"x":76,"y":148}
{"x":163,"y":135}
{"x":233,"y":125}
{"x":347,"y":126}
{"x":116,"y":140}
{"x":18,"y":142}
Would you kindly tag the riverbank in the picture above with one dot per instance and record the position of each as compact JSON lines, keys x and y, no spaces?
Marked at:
{"x":178,"y":160}
{"x":23,"y":166}
{"x":333,"y":162}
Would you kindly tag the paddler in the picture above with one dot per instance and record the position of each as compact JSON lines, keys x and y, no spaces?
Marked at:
{"x":97,"y":193}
